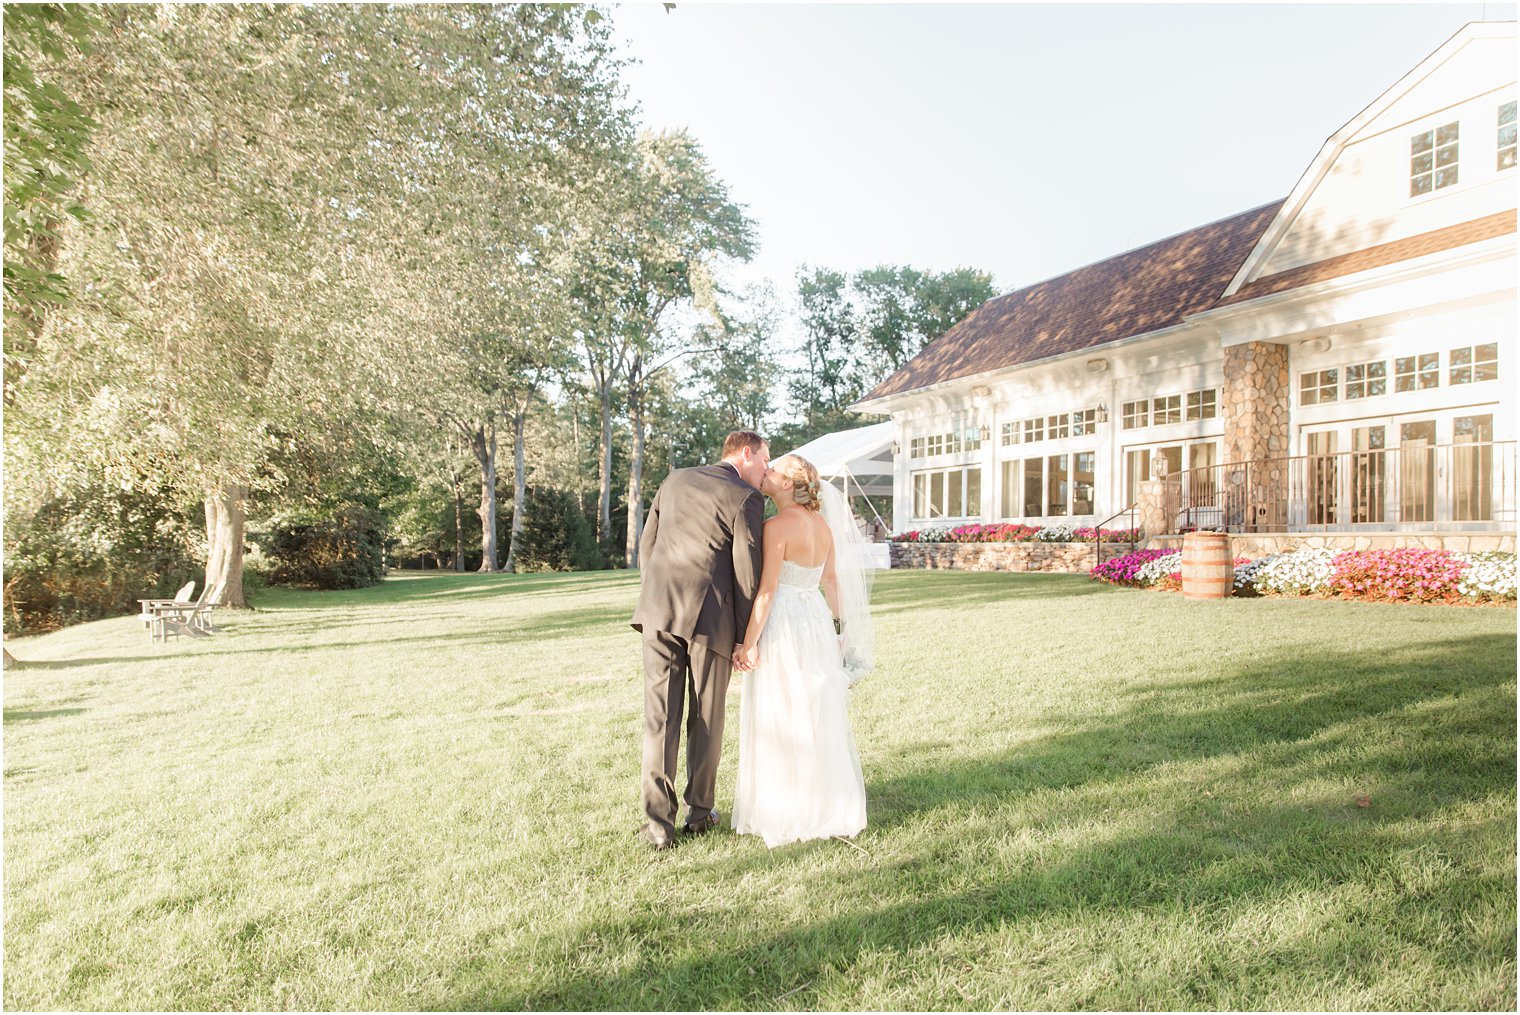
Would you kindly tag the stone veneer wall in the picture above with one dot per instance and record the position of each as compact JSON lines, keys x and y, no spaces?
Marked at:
{"x":1057,"y":558}
{"x":1259,"y":544}
{"x":1255,"y":409}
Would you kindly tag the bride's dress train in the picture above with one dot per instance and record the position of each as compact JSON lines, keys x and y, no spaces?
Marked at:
{"x":799,"y":773}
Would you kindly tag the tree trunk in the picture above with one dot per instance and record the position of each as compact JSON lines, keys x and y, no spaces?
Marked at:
{"x":226,"y":519}
{"x":519,"y":484}
{"x":483,"y":443}
{"x":635,"y":473}
{"x":456,"y":481}
{"x":604,"y":468}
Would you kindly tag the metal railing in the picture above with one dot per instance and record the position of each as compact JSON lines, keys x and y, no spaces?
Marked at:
{"x":1411,"y":487}
{"x":1134,"y":525}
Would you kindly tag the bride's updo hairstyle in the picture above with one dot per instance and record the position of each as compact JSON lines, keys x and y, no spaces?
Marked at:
{"x":804,"y":477}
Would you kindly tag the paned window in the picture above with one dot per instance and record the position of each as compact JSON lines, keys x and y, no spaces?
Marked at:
{"x":1136,"y":414}
{"x":1415,"y":373}
{"x":1084,"y":422}
{"x":952,"y":443}
{"x":1433,"y":160}
{"x":1367,"y":380}
{"x":1474,"y":363}
{"x":1507,"y":136}
{"x":1166,"y":409}
{"x":947,"y":493}
{"x":1057,"y":427}
{"x":1318,"y":386}
{"x":1084,"y":486}
{"x":1034,"y":483}
{"x":1058,"y":487}
{"x":1010,"y":433}
{"x":1054,"y":486}
{"x":1203,"y":404}
{"x":1034,"y":429}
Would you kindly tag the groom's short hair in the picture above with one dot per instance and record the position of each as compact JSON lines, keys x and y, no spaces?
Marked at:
{"x":740,"y":439}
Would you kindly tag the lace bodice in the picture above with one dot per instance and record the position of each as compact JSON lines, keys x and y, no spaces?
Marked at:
{"x":797,"y":576}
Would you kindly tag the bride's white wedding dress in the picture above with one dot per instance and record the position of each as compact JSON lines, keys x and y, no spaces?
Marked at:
{"x":799,"y":773}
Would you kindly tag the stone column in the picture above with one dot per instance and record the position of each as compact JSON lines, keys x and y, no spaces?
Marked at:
{"x":1255,"y":407}
{"x":1158,"y":503}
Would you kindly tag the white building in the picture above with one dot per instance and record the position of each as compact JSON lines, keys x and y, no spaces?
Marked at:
{"x":1343,"y":360}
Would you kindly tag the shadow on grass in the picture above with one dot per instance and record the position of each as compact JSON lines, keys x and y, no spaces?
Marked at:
{"x":31,"y":715}
{"x":1428,"y":732}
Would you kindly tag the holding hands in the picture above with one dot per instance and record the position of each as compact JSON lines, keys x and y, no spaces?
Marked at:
{"x":746,"y":657}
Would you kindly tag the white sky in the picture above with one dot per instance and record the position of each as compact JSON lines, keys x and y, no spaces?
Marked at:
{"x":1024,"y":140}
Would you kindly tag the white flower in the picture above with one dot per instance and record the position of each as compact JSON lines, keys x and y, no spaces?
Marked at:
{"x":1299,"y":573}
{"x":1489,"y":573}
{"x":1153,"y":571}
{"x":1060,"y":533}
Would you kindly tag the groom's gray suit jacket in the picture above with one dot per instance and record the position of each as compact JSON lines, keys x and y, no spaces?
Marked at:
{"x":700,"y":557}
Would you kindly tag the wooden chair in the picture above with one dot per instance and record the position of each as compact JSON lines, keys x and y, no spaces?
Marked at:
{"x":192,"y":619}
{"x":180,"y":615}
{"x":150,"y":607}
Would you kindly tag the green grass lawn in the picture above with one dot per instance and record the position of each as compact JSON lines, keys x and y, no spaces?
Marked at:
{"x":423,"y":796}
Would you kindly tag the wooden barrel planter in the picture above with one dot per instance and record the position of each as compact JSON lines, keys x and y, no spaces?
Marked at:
{"x":1208,"y":569}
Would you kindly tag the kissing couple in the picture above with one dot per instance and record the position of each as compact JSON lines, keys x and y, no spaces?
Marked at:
{"x":723,"y":590}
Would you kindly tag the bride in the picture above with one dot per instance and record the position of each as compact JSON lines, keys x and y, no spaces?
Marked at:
{"x":799,"y":774}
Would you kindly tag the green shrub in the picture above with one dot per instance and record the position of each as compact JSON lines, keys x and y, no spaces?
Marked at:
{"x":342,"y":552}
{"x":555,"y":535}
{"x":93,"y":551}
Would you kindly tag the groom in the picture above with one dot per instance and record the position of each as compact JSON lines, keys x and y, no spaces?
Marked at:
{"x":700,"y":558}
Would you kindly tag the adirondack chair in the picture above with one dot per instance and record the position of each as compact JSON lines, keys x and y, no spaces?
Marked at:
{"x":150,"y":607}
{"x":193,"y":619}
{"x":180,"y":615}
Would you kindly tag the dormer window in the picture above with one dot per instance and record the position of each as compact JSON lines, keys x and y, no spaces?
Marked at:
{"x":1433,"y":160}
{"x":1507,"y":136}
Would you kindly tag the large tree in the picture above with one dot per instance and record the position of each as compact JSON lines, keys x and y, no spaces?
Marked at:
{"x":47,"y":134}
{"x":680,"y":224}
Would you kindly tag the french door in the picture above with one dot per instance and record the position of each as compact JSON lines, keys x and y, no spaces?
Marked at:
{"x":1410,"y":472}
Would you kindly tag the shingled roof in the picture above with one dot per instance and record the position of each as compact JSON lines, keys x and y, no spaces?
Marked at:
{"x":1432,"y":242}
{"x":1144,"y":290}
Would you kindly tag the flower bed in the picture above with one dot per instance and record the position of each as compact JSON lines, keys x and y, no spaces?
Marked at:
{"x":1010,"y":533}
{"x":1404,"y":575}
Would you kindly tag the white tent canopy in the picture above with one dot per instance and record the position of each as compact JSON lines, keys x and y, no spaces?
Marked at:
{"x":859,"y":463}
{"x":865,"y":454}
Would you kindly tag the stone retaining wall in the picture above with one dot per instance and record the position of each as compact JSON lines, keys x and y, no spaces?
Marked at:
{"x":1259,"y":544}
{"x":1055,"y":558}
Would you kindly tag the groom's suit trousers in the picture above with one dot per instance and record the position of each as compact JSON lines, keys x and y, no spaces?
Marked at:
{"x":676,"y":669}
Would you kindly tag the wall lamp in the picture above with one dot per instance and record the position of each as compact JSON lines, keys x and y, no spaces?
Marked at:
{"x":1102,"y":415}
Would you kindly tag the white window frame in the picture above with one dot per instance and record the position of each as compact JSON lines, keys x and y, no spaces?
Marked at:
{"x":959,"y":474}
{"x":1319,"y":382}
{"x":1419,"y":372}
{"x":1201,"y":404}
{"x":1361,"y":386}
{"x":1017,"y":467}
{"x":1435,"y":145}
{"x":1505,"y":156}
{"x":1473,"y":365}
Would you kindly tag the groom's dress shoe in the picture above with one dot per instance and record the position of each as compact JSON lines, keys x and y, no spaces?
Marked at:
{"x":702,"y":824}
{"x":653,"y":839}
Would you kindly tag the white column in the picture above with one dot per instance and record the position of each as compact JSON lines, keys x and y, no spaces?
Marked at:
{"x":902,"y":482}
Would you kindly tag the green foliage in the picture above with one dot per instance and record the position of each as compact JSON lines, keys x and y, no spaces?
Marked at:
{"x":858,"y":329}
{"x":93,"y":552}
{"x":46,"y":138}
{"x":555,"y":535}
{"x":345,"y":551}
